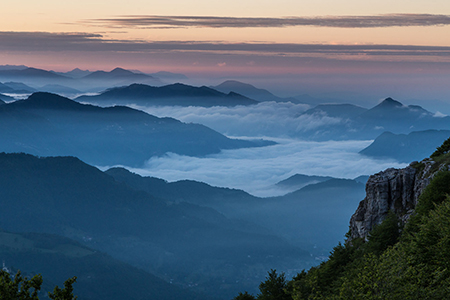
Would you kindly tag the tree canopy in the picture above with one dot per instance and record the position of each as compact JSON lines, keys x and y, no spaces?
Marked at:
{"x":394,"y":263}
{"x":17,"y":287}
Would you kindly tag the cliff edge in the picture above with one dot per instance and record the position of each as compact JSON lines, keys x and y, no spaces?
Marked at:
{"x":394,"y":190}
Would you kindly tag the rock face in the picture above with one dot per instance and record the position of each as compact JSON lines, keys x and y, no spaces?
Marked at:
{"x":393,"y":189}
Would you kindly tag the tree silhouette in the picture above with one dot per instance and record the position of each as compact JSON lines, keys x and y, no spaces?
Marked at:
{"x":16,"y":287}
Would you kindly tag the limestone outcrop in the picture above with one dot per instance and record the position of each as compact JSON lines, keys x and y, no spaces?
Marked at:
{"x":394,"y":190}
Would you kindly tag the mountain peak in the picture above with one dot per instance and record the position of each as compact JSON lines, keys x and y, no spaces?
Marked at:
{"x":117,"y":73}
{"x":234,"y":83}
{"x":389,"y":102}
{"x":121,"y":71}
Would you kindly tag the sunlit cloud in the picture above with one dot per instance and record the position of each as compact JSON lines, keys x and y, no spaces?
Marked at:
{"x":158,"y":22}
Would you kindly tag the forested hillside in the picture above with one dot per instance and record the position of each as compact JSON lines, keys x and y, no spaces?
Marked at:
{"x":397,"y":260}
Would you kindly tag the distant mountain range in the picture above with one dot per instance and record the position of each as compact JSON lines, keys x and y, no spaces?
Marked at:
{"x":250,"y":91}
{"x":174,"y":94}
{"x":345,"y":111}
{"x":163,"y":75}
{"x":75,"y":73}
{"x":83,"y":80}
{"x":33,"y":76}
{"x":414,"y":146}
{"x":298,"y":181}
{"x":17,"y":88}
{"x":117,"y":74}
{"x":48,"y":125}
{"x":345,"y":121}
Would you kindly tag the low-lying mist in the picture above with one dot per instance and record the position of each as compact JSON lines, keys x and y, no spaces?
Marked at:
{"x":256,"y":170}
{"x":270,"y":119}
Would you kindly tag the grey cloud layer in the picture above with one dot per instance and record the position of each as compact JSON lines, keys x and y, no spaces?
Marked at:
{"x":388,"y":20}
{"x":45,"y":41}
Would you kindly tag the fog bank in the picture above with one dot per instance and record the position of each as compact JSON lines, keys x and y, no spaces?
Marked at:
{"x":256,"y":170}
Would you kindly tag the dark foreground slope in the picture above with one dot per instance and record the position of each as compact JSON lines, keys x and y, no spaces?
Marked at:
{"x":50,"y":125}
{"x":99,"y":277}
{"x":190,"y":245}
{"x":397,"y":246}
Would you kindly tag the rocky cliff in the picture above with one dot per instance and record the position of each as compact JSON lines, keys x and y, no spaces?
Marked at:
{"x":393,"y":189}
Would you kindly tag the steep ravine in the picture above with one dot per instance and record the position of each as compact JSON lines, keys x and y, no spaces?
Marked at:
{"x":393,"y":189}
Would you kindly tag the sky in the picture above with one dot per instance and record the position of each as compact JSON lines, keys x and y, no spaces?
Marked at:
{"x":299,"y":46}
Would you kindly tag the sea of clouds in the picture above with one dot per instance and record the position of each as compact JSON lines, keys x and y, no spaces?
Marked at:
{"x":257,"y":170}
{"x":269,"y":119}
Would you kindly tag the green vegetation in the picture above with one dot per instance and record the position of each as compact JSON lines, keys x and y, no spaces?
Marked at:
{"x":21,"y":288}
{"x":394,"y":263}
{"x":275,"y":287}
{"x":441,"y":150}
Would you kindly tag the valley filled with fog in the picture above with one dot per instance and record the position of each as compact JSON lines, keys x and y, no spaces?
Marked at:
{"x":257,"y":170}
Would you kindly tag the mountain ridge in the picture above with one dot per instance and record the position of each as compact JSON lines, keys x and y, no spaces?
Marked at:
{"x":172,"y":94}
{"x":46,"y":124}
{"x":182,"y":242}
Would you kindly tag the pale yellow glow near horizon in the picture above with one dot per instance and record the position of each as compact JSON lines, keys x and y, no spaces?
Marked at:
{"x":67,"y":16}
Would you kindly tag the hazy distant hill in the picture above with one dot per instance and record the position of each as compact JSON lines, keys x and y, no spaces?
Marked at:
{"x":47,"y":124}
{"x":59,"y":89}
{"x":117,"y":74}
{"x":337,"y":110}
{"x":250,"y":91}
{"x":173,"y":94}
{"x":414,"y":146}
{"x":298,"y":181}
{"x":390,"y":109}
{"x":34,"y":76}
{"x":15,"y":88}
{"x":30,"y":73}
{"x":57,"y":259}
{"x":76,"y":79}
{"x":19,"y":87}
{"x":344,"y":121}
{"x":5,"y":89}
{"x":76,"y":73}
{"x":13,"y":67}
{"x":186,"y":243}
